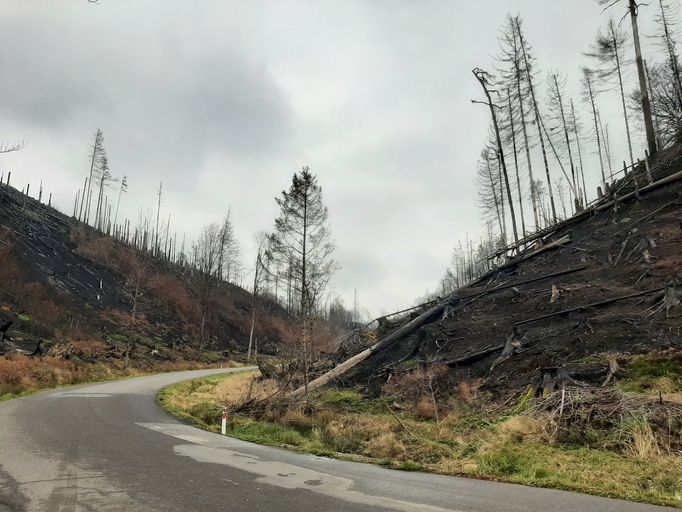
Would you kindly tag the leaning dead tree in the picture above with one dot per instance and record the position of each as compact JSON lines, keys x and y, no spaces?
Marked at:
{"x":485,"y":79}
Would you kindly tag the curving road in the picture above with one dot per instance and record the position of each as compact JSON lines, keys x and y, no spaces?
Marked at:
{"x":110,"y":447}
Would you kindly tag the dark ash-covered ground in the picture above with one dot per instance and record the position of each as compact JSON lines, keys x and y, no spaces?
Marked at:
{"x":633,"y":247}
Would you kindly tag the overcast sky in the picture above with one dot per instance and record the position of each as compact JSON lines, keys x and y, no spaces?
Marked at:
{"x":225,"y":100}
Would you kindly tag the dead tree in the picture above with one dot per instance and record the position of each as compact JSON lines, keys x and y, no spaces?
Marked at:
{"x":633,"y":11}
{"x":665,"y":105}
{"x":557,"y":84}
{"x":206,"y":254}
{"x":606,"y":142}
{"x":159,"y":193}
{"x":511,"y":115}
{"x":608,"y":51}
{"x":229,"y":250}
{"x":104,"y":181}
{"x":589,"y":94}
{"x":96,"y":154}
{"x":485,"y":79}
{"x":487,"y":183}
{"x":528,"y":60}
{"x":666,"y":21}
{"x":122,"y":189}
{"x":513,"y":71}
{"x":135,"y":283}
{"x":576,"y":130}
{"x":262,"y":241}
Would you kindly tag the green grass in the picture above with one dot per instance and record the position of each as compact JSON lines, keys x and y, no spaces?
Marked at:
{"x":646,"y":374}
{"x":588,"y":471}
{"x":346,"y":425}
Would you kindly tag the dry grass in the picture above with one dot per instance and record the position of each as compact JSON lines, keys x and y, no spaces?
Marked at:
{"x":21,"y":374}
{"x":466,"y":441}
{"x":244,"y":387}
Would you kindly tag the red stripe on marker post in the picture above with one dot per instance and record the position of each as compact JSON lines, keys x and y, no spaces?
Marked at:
{"x":223,"y":423}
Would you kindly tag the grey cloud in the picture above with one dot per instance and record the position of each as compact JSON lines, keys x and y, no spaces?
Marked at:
{"x":224,"y":100}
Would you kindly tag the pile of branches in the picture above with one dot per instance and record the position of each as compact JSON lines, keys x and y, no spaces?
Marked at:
{"x":610,"y":419}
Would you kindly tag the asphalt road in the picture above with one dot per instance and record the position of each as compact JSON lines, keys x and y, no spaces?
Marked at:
{"x":110,"y":447}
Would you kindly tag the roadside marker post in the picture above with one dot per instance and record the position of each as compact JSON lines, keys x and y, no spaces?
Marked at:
{"x":223,"y":424}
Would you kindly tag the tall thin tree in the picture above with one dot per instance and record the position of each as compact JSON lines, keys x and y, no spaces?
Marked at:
{"x":608,"y":51}
{"x":302,"y":236}
{"x":485,"y":79}
{"x":527,"y":59}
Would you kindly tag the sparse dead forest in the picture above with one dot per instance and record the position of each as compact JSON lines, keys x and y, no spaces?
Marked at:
{"x":530,"y":138}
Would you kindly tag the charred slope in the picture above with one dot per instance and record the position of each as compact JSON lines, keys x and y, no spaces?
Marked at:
{"x":62,"y":281}
{"x":605,"y":282}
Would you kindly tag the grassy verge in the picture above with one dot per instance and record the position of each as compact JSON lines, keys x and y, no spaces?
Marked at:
{"x":468,"y":440}
{"x":22,"y":375}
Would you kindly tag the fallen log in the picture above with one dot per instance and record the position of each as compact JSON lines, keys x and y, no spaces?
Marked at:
{"x":586,"y":306}
{"x":599,"y":207}
{"x":475,"y":356}
{"x":381,"y":344}
{"x":412,"y":326}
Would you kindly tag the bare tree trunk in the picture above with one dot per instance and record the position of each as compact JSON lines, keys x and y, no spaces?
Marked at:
{"x":646,"y":106}
{"x":531,"y":88}
{"x":495,"y":200}
{"x":92,"y":170}
{"x":253,"y":305}
{"x":80,"y":209}
{"x":619,"y":72}
{"x":580,"y":154}
{"x":516,"y":161}
{"x":607,"y":145}
{"x":524,"y":129}
{"x":657,"y":126}
{"x":590,"y":91}
{"x":202,"y":328}
{"x":568,"y":139}
{"x":481,"y":76}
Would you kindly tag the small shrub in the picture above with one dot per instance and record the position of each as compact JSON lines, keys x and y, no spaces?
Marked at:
{"x":642,"y":442}
{"x":425,"y":408}
{"x":385,"y":446}
{"x":468,"y":389}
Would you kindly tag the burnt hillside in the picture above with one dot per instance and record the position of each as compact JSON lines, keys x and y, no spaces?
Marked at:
{"x":605,"y":282}
{"x":63,"y":282}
